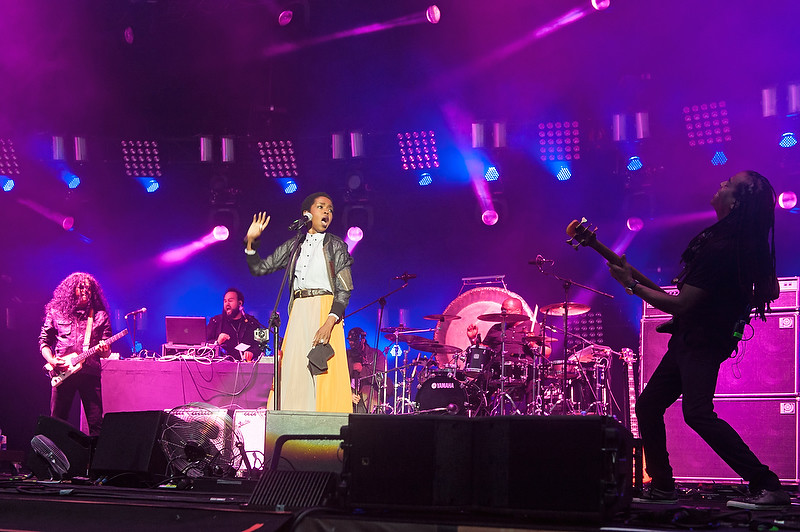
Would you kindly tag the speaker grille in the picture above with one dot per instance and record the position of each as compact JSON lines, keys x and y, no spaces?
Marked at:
{"x":290,"y":490}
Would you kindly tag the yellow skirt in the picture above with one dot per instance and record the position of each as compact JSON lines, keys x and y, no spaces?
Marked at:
{"x":301,"y":391}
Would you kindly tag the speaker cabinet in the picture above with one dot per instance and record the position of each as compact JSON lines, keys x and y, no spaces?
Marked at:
{"x":75,"y":445}
{"x":768,"y":425}
{"x":128,"y":450}
{"x":299,"y":454}
{"x":556,"y":466}
{"x":413,"y":462}
{"x":765,"y":365}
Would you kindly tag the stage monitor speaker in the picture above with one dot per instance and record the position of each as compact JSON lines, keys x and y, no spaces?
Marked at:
{"x":765,"y":364}
{"x":279,"y":491}
{"x":128,"y":451}
{"x":304,"y":455}
{"x":75,"y":445}
{"x":578,"y":467}
{"x":767,"y":424}
{"x":412,"y":462}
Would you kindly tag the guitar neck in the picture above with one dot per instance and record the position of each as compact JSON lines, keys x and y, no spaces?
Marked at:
{"x":89,"y":352}
{"x":632,"y":402}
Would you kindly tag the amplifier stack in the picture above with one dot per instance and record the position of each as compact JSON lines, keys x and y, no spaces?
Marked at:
{"x":758,"y":393}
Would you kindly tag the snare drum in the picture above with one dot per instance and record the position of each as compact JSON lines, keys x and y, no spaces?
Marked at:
{"x":478,"y":358}
{"x":556,"y":370}
{"x":443,"y":395}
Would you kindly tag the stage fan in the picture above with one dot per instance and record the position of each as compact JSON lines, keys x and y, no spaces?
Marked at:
{"x":199,"y":440}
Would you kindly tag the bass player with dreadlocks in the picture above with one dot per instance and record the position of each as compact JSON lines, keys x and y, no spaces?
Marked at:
{"x":729,"y":270}
{"x":75,"y":319}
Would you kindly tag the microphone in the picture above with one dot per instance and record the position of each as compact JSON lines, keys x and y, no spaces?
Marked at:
{"x":539,"y":261}
{"x":406,"y":276}
{"x":300,"y":222}
{"x":137,"y":311}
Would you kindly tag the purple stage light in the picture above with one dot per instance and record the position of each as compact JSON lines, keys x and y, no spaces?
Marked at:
{"x":600,"y":5}
{"x":707,"y":123}
{"x":490,"y":217}
{"x":559,"y":141}
{"x":425,"y":179}
{"x":418,"y":150}
{"x":68,"y":223}
{"x":635,"y":224}
{"x":285,"y":17}
{"x":719,"y":158}
{"x":433,"y":15}
{"x":278,"y":158}
{"x":150,"y":184}
{"x":787,"y":200}
{"x":634,"y":163}
{"x":355,"y":234}
{"x":8,"y":183}
{"x":221,"y":233}
{"x":141,"y":158}
{"x":9,"y":165}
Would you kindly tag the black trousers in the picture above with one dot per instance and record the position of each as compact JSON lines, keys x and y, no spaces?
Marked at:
{"x":693,"y":374}
{"x":88,"y":387}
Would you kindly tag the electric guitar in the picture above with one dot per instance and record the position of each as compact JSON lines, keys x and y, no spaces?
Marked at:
{"x":629,"y":357}
{"x":75,"y":362}
{"x":581,"y":235}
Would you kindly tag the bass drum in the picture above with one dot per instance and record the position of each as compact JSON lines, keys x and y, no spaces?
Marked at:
{"x":442,"y":395}
{"x":469,"y":305}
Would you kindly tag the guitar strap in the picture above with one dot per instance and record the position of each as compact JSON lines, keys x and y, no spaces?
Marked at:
{"x":88,"y":338}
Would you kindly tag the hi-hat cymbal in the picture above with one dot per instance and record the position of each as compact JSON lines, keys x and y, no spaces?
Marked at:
{"x":500,"y":317}
{"x":442,"y":317}
{"x":557,"y":309}
{"x":399,"y":328}
{"x":433,"y":347}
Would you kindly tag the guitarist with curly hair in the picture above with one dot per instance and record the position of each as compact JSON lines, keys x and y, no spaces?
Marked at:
{"x":76,"y":321}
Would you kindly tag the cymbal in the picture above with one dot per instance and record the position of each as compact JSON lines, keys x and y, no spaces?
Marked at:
{"x":433,"y":347}
{"x":442,"y":317}
{"x":557,"y":309}
{"x":413,"y":339}
{"x":501,"y":317}
{"x":540,"y":339}
{"x":590,"y":354}
{"x":399,"y":328}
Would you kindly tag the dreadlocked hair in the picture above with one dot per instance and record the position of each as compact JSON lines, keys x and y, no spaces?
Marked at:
{"x":753,"y":221}
{"x":65,"y":302}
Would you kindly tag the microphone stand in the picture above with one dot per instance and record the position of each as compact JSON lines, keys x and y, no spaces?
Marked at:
{"x":382,"y":301}
{"x":567,"y":284}
{"x":275,"y":324}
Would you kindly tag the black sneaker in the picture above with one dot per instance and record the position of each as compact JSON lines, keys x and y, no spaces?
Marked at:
{"x":652,"y":495}
{"x":763,"y":500}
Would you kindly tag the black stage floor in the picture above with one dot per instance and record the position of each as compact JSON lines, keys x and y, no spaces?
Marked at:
{"x":30,"y":505}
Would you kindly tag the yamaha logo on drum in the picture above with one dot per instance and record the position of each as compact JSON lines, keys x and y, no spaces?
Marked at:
{"x":435,"y":385}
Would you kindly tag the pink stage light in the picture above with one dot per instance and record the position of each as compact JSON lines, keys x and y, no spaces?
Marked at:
{"x":490,"y":217}
{"x":787,"y":200}
{"x":285,"y":17}
{"x":221,"y":233}
{"x":433,"y":15}
{"x":182,"y":253}
{"x":634,"y":224}
{"x":353,"y":237}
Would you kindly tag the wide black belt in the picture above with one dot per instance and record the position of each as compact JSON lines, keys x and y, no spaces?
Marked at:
{"x":311,"y":292}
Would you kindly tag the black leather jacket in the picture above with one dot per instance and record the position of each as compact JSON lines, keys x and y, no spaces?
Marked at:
{"x":65,"y":335}
{"x":337,"y":258}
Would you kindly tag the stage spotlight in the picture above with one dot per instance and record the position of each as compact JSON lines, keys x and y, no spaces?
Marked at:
{"x":787,"y":140}
{"x":634,"y":224}
{"x":491,"y":174}
{"x":787,"y":200}
{"x":564,"y":174}
{"x":278,"y":158}
{"x":559,"y":141}
{"x":288,"y":185}
{"x":8,"y":183}
{"x":719,"y":158}
{"x":600,"y":5}
{"x":221,"y":232}
{"x":425,"y":179}
{"x":355,"y":234}
{"x":68,"y":223}
{"x":141,"y":160}
{"x":418,"y":150}
{"x":634,"y":163}
{"x":149,"y":183}
{"x":489,"y":217}
{"x":707,"y":123}
{"x":70,"y":179}
{"x":432,"y":14}
{"x":285,"y":17}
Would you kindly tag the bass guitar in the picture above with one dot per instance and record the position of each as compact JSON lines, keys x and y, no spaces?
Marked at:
{"x":629,"y":357}
{"x":75,"y":362}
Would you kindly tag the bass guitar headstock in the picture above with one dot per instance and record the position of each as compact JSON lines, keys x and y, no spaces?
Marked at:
{"x":628,"y":355}
{"x":580,"y":234}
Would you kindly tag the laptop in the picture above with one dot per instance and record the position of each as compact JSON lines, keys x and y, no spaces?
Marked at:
{"x":186,"y":330}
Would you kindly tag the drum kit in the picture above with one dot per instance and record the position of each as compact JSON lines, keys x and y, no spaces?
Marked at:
{"x":512,"y":377}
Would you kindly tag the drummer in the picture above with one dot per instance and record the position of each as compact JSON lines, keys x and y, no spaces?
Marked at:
{"x":516,"y":344}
